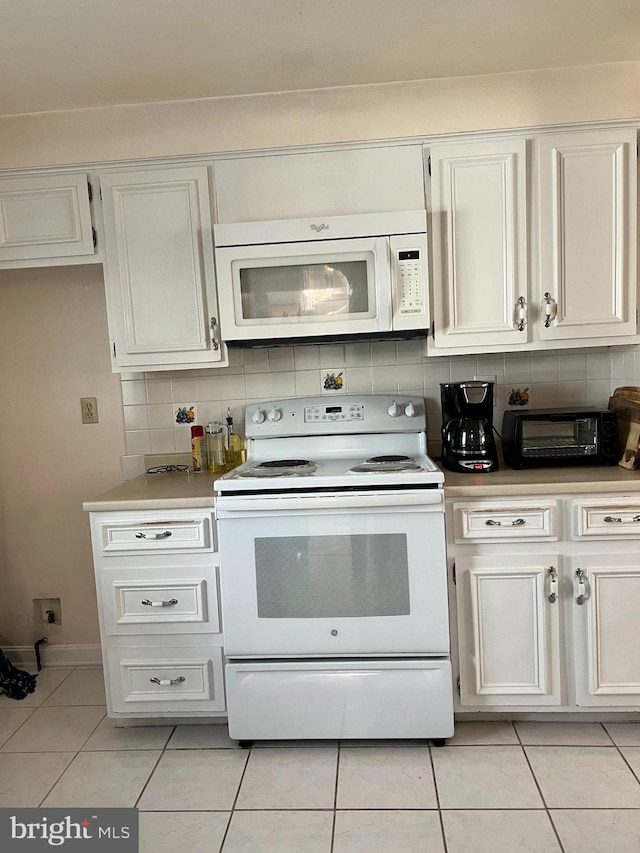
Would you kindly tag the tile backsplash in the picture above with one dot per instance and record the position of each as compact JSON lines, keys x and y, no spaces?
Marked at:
{"x":549,"y":378}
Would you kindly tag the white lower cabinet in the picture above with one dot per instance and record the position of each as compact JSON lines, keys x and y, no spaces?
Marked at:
{"x":508,"y":630}
{"x":547,"y":626}
{"x":157,"y":588}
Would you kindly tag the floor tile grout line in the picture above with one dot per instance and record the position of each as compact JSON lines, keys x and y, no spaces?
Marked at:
{"x":635,"y":775}
{"x":148,"y":779}
{"x":235,"y":800}
{"x":335,"y":800}
{"x":538,"y":786}
{"x":62,"y":772}
{"x":438,"y":803}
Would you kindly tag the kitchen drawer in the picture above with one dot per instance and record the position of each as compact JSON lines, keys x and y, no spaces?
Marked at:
{"x":179,"y":680}
{"x":156,"y":598}
{"x":158,"y":533}
{"x":498,"y":521}
{"x":608,"y":519}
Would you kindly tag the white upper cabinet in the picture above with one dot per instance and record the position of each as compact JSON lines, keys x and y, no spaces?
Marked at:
{"x":479,"y":243}
{"x":45,"y":217}
{"x":159,"y":273}
{"x":588,"y":197}
{"x":319,"y":183}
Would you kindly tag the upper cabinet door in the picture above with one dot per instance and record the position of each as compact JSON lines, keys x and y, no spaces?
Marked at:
{"x":479,"y":225}
{"x":159,"y":268}
{"x":588,"y":197}
{"x":45,"y":217}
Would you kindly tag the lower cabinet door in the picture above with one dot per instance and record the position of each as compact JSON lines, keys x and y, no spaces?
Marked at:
{"x":178,"y":680}
{"x":606,"y":621}
{"x":508,"y":630}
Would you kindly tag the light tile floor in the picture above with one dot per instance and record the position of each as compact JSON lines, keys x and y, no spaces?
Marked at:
{"x":496,"y":787}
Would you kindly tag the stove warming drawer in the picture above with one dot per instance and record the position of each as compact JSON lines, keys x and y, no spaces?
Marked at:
{"x":399,"y":698}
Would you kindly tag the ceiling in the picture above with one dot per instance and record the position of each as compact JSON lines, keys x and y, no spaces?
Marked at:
{"x":69,"y":54}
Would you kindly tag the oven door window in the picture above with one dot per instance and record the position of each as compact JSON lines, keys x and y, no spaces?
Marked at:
{"x":313,"y":577}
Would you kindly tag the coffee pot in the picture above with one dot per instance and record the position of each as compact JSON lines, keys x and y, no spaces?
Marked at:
{"x":468,"y":445}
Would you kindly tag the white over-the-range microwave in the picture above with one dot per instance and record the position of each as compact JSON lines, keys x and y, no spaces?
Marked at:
{"x":323,"y":279}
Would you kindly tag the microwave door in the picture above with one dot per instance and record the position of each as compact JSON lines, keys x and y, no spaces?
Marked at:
{"x":304,"y":289}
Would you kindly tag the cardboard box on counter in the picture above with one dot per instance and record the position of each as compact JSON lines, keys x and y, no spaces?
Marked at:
{"x":626,"y":404}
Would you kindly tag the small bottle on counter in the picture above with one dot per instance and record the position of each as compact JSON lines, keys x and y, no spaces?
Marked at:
{"x":234,"y":444}
{"x":198,"y":449}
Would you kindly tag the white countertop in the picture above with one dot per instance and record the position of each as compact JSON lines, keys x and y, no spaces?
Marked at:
{"x":175,"y":491}
{"x":597,"y":479}
{"x":157,"y":491}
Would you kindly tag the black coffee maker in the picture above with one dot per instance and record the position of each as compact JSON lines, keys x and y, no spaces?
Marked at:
{"x":468,"y":445}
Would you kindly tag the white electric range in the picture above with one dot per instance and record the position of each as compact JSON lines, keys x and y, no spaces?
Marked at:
{"x":333,"y":574}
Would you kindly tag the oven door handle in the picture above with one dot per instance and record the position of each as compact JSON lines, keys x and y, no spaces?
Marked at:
{"x":305,"y":503}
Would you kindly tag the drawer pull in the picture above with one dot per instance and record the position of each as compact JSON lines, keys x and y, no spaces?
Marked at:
{"x":582,"y":586}
{"x":517,"y":522}
{"x":612,"y":519}
{"x":168,"y":682}
{"x":553,"y":584}
{"x":164,"y":535}
{"x":169,"y":603}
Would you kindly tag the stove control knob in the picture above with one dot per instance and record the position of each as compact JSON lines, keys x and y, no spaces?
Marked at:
{"x":274,"y":415}
{"x":258,"y":416}
{"x":410,"y":410}
{"x":395,"y":410}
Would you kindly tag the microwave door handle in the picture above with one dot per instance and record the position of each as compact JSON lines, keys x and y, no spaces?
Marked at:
{"x":385,"y":282}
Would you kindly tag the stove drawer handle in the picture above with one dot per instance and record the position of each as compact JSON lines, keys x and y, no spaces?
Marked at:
{"x":165,"y":535}
{"x":169,"y":603}
{"x":517,"y":522}
{"x":168,"y":682}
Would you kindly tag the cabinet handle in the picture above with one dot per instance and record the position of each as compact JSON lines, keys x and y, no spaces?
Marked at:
{"x":636,"y":518}
{"x":517,"y":522}
{"x":582,"y":586}
{"x":521,"y":313}
{"x":613,"y":519}
{"x":167,"y":682}
{"x":169,"y":603}
{"x":549,"y":308}
{"x":214,"y":334}
{"x":553,"y":584}
{"x":164,"y":535}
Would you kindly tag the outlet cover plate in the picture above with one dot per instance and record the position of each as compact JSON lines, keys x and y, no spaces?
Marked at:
{"x":89,"y":407}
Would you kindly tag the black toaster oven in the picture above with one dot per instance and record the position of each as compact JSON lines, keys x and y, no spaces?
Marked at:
{"x":548,"y":437}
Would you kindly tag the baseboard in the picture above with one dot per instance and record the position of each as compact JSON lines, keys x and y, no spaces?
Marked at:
{"x":58,"y":655}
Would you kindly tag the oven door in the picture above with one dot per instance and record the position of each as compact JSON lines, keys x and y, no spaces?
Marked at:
{"x":308,"y":288}
{"x":337,"y":574}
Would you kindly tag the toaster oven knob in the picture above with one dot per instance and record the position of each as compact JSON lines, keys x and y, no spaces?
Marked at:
{"x":274,"y":415}
{"x":395,"y":410}
{"x":410,"y":410}
{"x":258,"y":416}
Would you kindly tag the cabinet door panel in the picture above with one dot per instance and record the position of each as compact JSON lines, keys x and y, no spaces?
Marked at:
{"x":508,"y":631}
{"x":160,"y":279}
{"x":587,"y":231}
{"x":607,"y":631}
{"x":45,"y":217}
{"x":479,"y":244}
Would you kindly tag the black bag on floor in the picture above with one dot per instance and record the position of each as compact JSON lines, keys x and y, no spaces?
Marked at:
{"x":16,"y":683}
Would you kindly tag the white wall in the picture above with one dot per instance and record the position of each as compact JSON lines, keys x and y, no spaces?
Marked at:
{"x":355,"y":113}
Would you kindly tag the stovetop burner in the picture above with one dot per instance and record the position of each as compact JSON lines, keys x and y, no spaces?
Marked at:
{"x":378,"y":459}
{"x":285,"y":463}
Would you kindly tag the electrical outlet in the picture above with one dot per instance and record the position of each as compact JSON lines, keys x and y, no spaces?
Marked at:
{"x":47,"y":611}
{"x":89,"y":410}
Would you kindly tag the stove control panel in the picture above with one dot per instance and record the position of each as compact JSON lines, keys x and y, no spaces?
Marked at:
{"x":313,"y":414}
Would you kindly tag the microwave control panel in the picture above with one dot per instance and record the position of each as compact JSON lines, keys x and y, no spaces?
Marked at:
{"x":354,"y":412}
{"x":411,"y":281}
